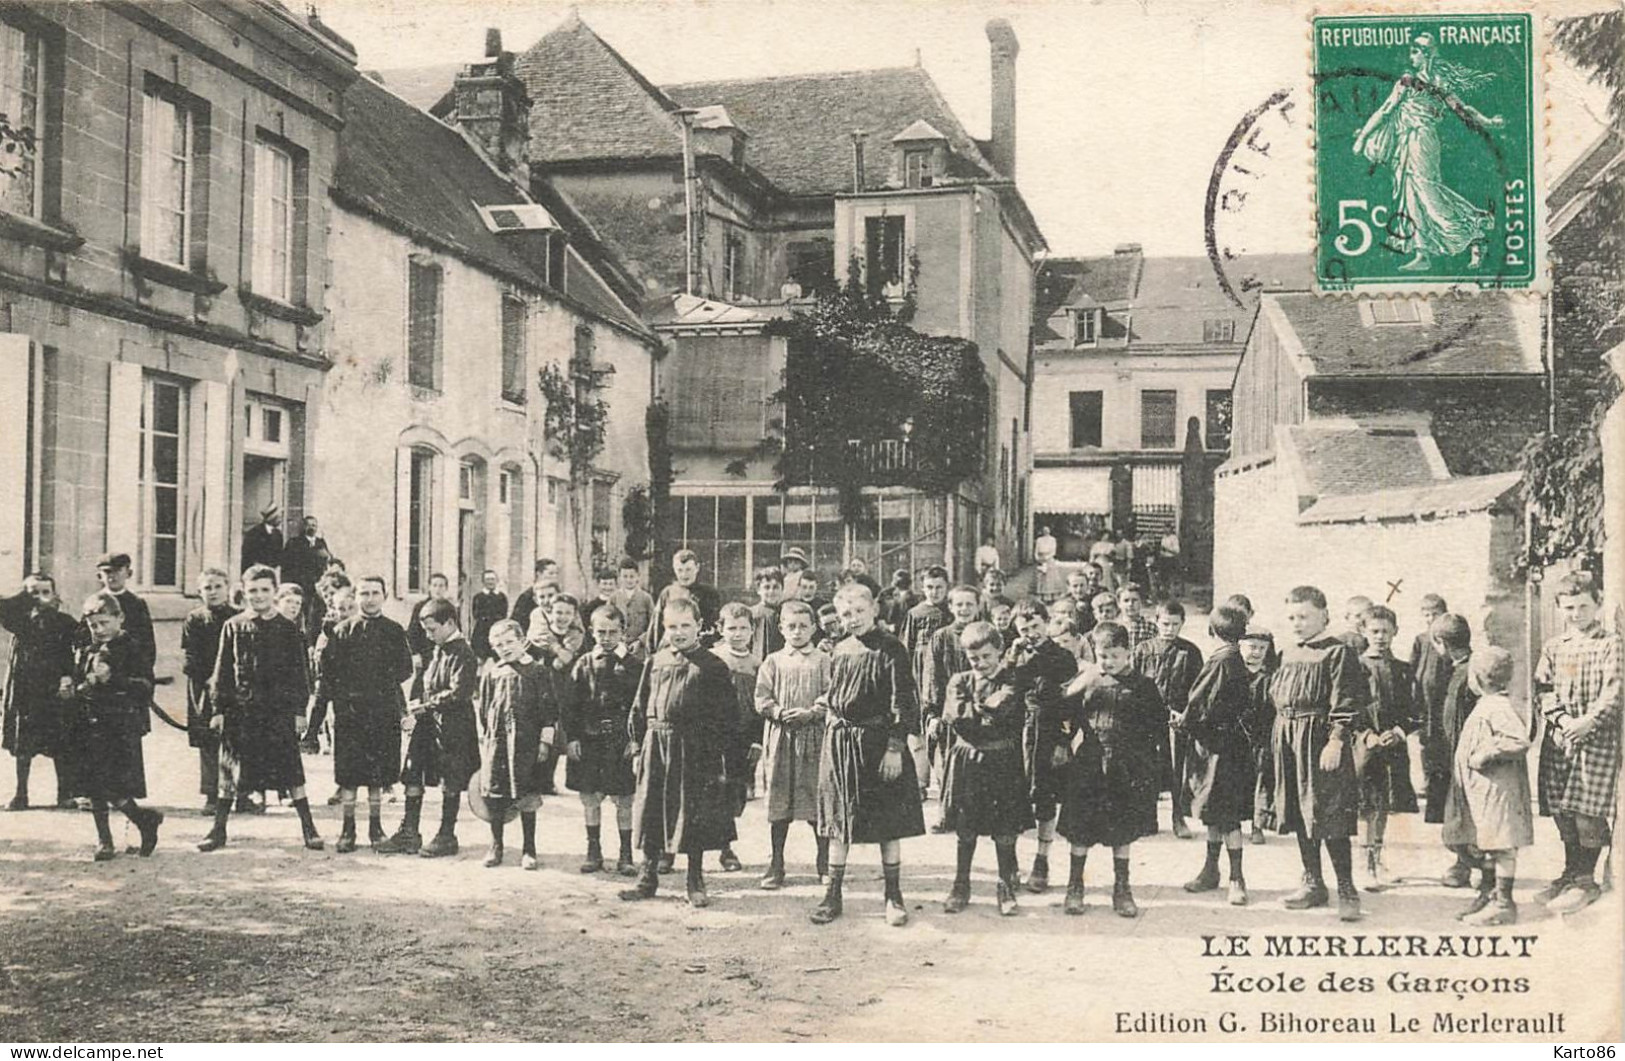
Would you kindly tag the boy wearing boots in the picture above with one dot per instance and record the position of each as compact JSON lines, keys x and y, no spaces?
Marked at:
{"x":984,"y":787}
{"x":1220,"y":768}
{"x":443,"y":749}
{"x":1492,"y":772}
{"x":200,"y":647}
{"x":1382,"y":756}
{"x":684,"y":736}
{"x":39,"y":682}
{"x":1172,"y":663}
{"x":788,"y":688}
{"x":259,"y":683}
{"x":112,"y":689}
{"x":363,"y":664}
{"x":945,"y":657}
{"x":517,"y":714}
{"x":1454,"y":640}
{"x":734,"y":649}
{"x":605,"y":681}
{"x":1041,"y":668}
{"x":1112,"y":770}
{"x":867,"y":789}
{"x":1319,"y":694}
{"x":1579,"y":678}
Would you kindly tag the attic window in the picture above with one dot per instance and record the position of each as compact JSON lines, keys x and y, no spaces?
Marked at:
{"x":917,"y":168}
{"x":1219,"y":330}
{"x":1085,"y":327}
{"x":1395,"y":311}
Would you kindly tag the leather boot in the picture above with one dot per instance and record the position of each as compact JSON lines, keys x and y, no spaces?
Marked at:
{"x":216,"y":839}
{"x":830,"y":908}
{"x":648,"y":882}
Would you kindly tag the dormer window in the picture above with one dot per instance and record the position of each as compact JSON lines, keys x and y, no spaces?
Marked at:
{"x":1219,"y":330}
{"x":1395,"y":311}
{"x":1085,"y":327}
{"x":917,"y":168}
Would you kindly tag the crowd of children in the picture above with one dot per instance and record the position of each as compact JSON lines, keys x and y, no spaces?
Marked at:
{"x":1068,"y":717}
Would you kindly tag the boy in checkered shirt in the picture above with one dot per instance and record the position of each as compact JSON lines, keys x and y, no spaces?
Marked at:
{"x":1579,"y":683}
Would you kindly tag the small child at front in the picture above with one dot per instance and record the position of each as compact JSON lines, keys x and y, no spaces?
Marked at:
{"x":788,"y":687}
{"x":1491,"y":767}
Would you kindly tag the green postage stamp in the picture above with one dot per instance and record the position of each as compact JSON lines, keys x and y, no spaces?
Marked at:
{"x":1429,"y":147}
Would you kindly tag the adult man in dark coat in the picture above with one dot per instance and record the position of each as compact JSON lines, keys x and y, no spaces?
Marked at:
{"x":489,"y":607}
{"x":444,"y":747}
{"x":262,"y":543}
{"x":261,"y":680}
{"x":362,"y":667}
{"x":39,"y":683}
{"x":304,"y":561}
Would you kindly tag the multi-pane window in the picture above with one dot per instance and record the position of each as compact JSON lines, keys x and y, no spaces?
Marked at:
{"x":885,"y":252}
{"x":420,"y":520}
{"x":917,"y":169}
{"x":163,"y":479}
{"x":1219,"y":330}
{"x":1159,"y":414}
{"x":1219,"y":415}
{"x":273,"y":221}
{"x":1086,"y":408}
{"x":423,"y":324}
{"x":166,"y":180}
{"x":1396,"y":311}
{"x":513,"y":349}
{"x":22,"y":62}
{"x":1084,"y":331}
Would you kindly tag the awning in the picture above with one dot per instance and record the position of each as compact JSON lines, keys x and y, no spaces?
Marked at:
{"x":1080,"y":491}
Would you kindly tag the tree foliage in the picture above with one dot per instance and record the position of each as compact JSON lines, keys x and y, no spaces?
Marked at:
{"x":857,"y":373}
{"x":1563,"y":466}
{"x":575,"y":425}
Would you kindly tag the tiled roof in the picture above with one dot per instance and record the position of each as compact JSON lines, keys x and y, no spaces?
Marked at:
{"x":1451,"y":497}
{"x":1485,"y":334}
{"x":1108,"y":280}
{"x":1177,"y":296}
{"x":799,"y":128}
{"x":398,"y":164}
{"x":1362,"y":459}
{"x":587,"y":102}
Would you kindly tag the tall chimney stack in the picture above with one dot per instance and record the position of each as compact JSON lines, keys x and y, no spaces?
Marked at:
{"x":1002,"y":143}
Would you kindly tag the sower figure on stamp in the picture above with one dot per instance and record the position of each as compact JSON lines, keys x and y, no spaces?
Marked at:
{"x":112,"y":691}
{"x":605,"y":683}
{"x":788,"y":689}
{"x":260,"y":681}
{"x":1579,"y":677}
{"x":39,"y":684}
{"x":200,"y":648}
{"x":684,"y":732}
{"x":1319,"y":694}
{"x":984,"y":788}
{"x":1220,"y":769}
{"x":867,"y":789}
{"x":1042,"y":669}
{"x":443,"y":748}
{"x":363,"y":665}
{"x":1112,"y":769}
{"x":518,"y":715}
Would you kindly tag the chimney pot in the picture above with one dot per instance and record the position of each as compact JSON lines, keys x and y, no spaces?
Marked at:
{"x":493,"y":43}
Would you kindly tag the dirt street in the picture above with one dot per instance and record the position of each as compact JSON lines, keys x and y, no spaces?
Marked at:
{"x":265,"y":941}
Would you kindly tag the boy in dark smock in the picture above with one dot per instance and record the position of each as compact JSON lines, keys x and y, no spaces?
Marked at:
{"x":1382,"y":755}
{"x":867,"y":789}
{"x":1319,"y":693}
{"x":259,"y":683}
{"x":1220,"y":767}
{"x":39,"y":684}
{"x":200,"y":648}
{"x":944,"y":658}
{"x":984,"y":787}
{"x":1041,"y":668}
{"x":1257,"y":647}
{"x":363,"y":664}
{"x":924,"y":619}
{"x":684,"y":732}
{"x":737,"y":630}
{"x":443,"y":749}
{"x":1109,"y":793}
{"x":1172,"y":663}
{"x":517,"y":710}
{"x":112,"y":691}
{"x":1453,"y":638}
{"x":605,"y":682}
{"x":1430,"y":679}
{"x":489,"y":607}
{"x":764,"y":614}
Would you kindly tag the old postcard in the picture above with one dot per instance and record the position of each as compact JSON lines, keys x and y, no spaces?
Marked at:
{"x":786,"y":521}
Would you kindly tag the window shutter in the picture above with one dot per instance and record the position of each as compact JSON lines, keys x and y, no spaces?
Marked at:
{"x":264,"y":181}
{"x":124,"y":389}
{"x":15,"y":355}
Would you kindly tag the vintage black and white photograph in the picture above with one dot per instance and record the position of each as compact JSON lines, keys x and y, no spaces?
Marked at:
{"x":779,"y":521}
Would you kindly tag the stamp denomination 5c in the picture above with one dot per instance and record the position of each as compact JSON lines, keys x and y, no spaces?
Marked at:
{"x":1428,"y":152}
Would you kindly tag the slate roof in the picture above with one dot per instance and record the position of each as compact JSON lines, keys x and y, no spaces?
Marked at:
{"x":1105,"y":281}
{"x":1599,"y":163}
{"x":799,"y":127}
{"x":1485,"y":334}
{"x":1177,"y":295}
{"x":403,"y":167}
{"x":587,"y":102}
{"x":1353,"y":459}
{"x":1451,"y":497}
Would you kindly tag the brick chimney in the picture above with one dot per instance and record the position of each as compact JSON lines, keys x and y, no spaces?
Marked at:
{"x":1002,"y":142}
{"x":489,"y":102}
